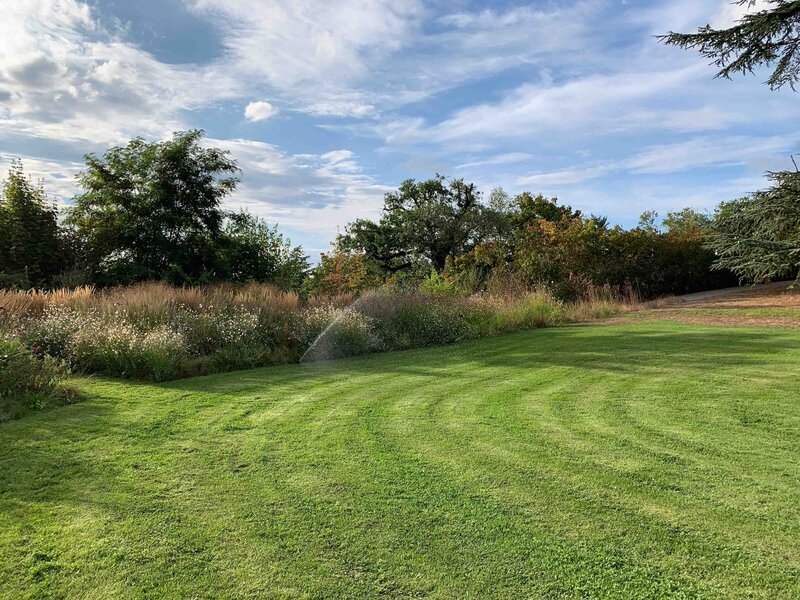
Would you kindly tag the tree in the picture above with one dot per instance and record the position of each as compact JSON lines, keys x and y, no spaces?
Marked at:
{"x":343,"y":273}
{"x":768,"y":37}
{"x":32,"y":245}
{"x":527,"y":208}
{"x":152,"y":210}
{"x":251,"y":250}
{"x":758,"y":237}
{"x":648,"y":221}
{"x":384,"y":242}
{"x":688,"y":223}
{"x":430,"y":220}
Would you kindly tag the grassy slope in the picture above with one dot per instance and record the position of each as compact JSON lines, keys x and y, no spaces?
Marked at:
{"x":643,"y":460}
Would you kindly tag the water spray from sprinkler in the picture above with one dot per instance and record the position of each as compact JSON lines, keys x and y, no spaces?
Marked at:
{"x":351,"y":308}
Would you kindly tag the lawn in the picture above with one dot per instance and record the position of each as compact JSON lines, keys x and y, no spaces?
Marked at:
{"x":651,"y":459}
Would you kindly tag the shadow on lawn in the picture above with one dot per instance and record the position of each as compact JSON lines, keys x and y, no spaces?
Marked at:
{"x":619,"y":350}
{"x":95,"y":457}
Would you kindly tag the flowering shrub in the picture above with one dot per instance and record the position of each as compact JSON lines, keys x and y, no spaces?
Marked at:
{"x":415,"y":320}
{"x":312,"y":322}
{"x":157,"y":345}
{"x":207,"y":332}
{"x":50,"y":335}
{"x":154,"y":332}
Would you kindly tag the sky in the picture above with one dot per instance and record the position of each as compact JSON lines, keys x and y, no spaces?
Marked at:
{"x":326,"y":105}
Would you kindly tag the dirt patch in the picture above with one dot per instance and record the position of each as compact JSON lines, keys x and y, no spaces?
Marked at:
{"x":744,"y":307}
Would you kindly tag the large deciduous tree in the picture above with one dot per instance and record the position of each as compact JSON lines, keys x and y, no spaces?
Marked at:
{"x":429,"y":220}
{"x":252,"y":250}
{"x":153,"y":210}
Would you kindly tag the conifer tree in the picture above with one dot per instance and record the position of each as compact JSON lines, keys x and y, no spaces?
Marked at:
{"x":31,"y":241}
{"x":765,"y":38}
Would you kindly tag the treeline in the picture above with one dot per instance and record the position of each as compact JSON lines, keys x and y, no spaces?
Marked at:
{"x":146,"y":211}
{"x":440,"y":234}
{"x":153,"y":212}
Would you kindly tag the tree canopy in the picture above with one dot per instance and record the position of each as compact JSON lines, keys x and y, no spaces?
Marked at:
{"x":424,"y":220}
{"x":764,"y":38}
{"x":758,"y":237}
{"x":152,"y":210}
{"x":32,"y":247}
{"x":252,"y":250}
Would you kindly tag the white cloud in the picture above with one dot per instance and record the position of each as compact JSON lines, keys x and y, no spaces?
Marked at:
{"x":306,"y":192}
{"x":64,"y":77}
{"x":356,"y":59}
{"x":679,"y":157}
{"x":312,"y":51}
{"x":58,"y":177}
{"x":567,"y":176}
{"x":499,"y":159}
{"x":259,"y":111}
{"x":731,"y":12}
{"x":591,"y":105}
{"x":701,"y":152}
{"x":688,"y":15}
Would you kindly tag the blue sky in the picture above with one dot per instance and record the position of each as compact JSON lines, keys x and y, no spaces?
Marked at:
{"x":328,"y":105}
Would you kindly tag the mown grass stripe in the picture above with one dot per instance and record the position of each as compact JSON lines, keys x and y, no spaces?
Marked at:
{"x":644,"y":460}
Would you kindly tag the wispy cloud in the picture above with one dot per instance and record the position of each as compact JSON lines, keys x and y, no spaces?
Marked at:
{"x":499,"y":159}
{"x":680,"y":157}
{"x":573,"y":95}
{"x":307,"y":191}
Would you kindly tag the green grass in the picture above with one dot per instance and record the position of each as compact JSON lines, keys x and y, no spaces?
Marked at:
{"x":646,"y":460}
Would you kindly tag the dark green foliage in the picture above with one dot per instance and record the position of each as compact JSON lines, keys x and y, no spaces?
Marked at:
{"x":152,"y":210}
{"x":414,"y":320}
{"x":251,"y":250}
{"x":527,"y":208}
{"x":383,"y":242}
{"x":33,"y":249}
{"x":534,"y":241}
{"x":758,"y":237}
{"x":557,"y":247}
{"x":648,"y":221}
{"x":432,"y":220}
{"x":768,"y":37}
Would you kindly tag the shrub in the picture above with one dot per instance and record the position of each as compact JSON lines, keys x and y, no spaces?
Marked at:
{"x":153,"y":331}
{"x":156,"y":332}
{"x":406,"y":320}
{"x":309,"y":325}
{"x":210,"y":331}
{"x":51,"y":334}
{"x":535,"y":309}
{"x":27,"y":382}
{"x":438,"y":286}
{"x":120,"y":349}
{"x":349,"y":334}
